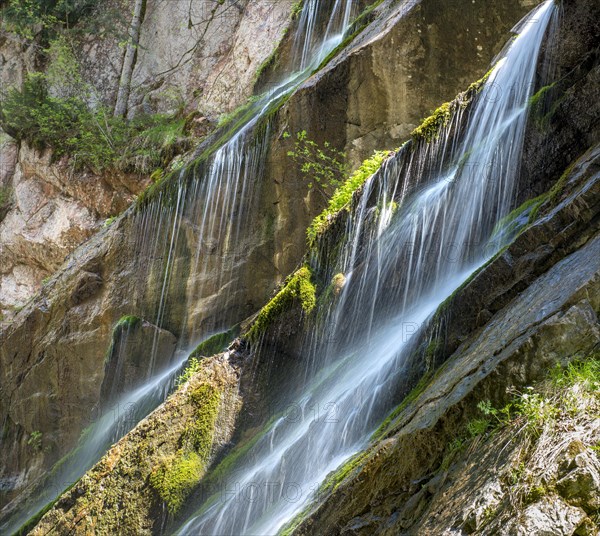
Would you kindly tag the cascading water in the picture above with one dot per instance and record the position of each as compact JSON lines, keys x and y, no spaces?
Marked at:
{"x":211,"y":206}
{"x":398,"y":272}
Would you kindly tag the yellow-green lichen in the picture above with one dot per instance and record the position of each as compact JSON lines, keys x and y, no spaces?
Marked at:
{"x":342,"y":196}
{"x":298,"y":289}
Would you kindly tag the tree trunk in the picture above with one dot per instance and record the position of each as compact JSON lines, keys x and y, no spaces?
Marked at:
{"x":129,"y":58}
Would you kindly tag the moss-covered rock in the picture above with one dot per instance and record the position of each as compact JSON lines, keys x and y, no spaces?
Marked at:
{"x":159,"y":462}
{"x":298,"y":288}
{"x":343,"y":195}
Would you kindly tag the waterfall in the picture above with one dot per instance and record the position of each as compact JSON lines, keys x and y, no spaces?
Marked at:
{"x":202,"y":216}
{"x":398,"y":271}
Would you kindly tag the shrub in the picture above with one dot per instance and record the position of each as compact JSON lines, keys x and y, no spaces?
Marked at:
{"x":29,"y":17}
{"x":94,"y":140}
{"x":35,"y":440}
{"x":324,"y":165}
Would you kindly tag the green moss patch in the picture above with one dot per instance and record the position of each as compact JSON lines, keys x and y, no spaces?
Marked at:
{"x":298,"y":289}
{"x":342,"y":195}
{"x":335,"y":478}
{"x":177,"y":475}
{"x":430,"y":128}
{"x":214,"y":344}
{"x":199,"y":434}
{"x":410,"y":397}
{"x":175,"y":478}
{"x":127,"y":322}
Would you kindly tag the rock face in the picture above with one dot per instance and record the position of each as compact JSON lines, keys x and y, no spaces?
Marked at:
{"x":138,"y":348}
{"x":402,"y":66}
{"x":65,"y":331}
{"x":52,"y":211}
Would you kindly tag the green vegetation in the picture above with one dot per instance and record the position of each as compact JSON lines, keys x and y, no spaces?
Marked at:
{"x":296,"y":9}
{"x":430,"y":128}
{"x":175,"y":478}
{"x":51,"y":111}
{"x":541,"y":107}
{"x":478,"y":84}
{"x":193,"y":366}
{"x":211,"y":346}
{"x":357,"y":26}
{"x":241,"y":113}
{"x":324,"y":165}
{"x":178,"y":474}
{"x":199,"y":434}
{"x":342,"y":196}
{"x":269,"y":63}
{"x":126,"y":322}
{"x":335,"y":478}
{"x":564,"y":393}
{"x":35,"y":440}
{"x":214,"y":344}
{"x":536,"y":101}
{"x":432,"y":349}
{"x":298,"y":289}
{"x":27,"y":17}
{"x":510,"y":222}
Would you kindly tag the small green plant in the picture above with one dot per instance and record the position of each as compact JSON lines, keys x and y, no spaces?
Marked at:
{"x":35,"y":440}
{"x":192,"y":367}
{"x":296,"y":9}
{"x":324,"y":165}
{"x":456,"y":446}
{"x":586,"y":374}
{"x":516,"y":473}
{"x":177,"y":163}
{"x":109,"y":221}
{"x":478,"y":427}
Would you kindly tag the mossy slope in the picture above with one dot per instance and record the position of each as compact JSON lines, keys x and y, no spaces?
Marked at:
{"x":158,"y":462}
